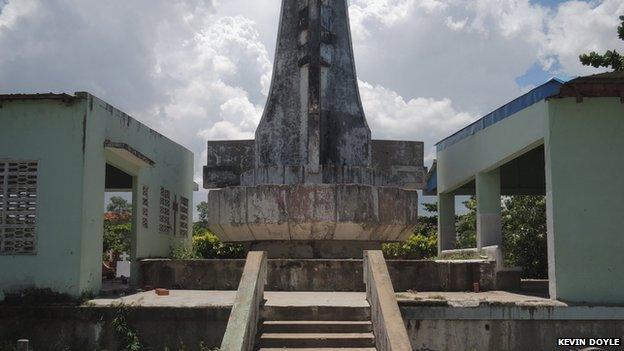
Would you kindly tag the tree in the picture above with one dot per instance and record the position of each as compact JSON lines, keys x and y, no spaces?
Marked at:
{"x":524,"y":234}
{"x":202,"y":224}
{"x":117,"y":225}
{"x":119,"y":205}
{"x":466,"y":226}
{"x":611,"y":58}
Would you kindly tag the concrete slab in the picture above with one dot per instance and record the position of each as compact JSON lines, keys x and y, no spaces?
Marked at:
{"x":176,"y":298}
{"x":211,"y":298}
{"x":470,"y":299}
{"x":225,"y":298}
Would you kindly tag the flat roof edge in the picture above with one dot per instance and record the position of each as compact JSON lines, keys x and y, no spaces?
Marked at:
{"x":41,"y":96}
{"x":535,"y":95}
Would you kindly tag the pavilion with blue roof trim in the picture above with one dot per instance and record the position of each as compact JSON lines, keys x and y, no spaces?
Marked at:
{"x":562,"y":140}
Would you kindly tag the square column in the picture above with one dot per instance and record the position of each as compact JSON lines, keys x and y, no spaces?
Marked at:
{"x":489,"y":228}
{"x":446,"y":222}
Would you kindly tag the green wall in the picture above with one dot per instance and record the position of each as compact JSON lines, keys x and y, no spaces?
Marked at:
{"x":585,"y":186}
{"x":68,"y":141}
{"x":50,"y":132}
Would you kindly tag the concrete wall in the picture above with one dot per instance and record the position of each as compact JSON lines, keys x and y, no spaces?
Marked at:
{"x":316,"y":275}
{"x":430,"y":328}
{"x":68,"y":141}
{"x":90,"y":328}
{"x":584,"y":146}
{"x":50,"y":132}
{"x":508,"y":327}
{"x":173,"y":170}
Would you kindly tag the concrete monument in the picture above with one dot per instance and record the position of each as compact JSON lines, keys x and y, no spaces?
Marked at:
{"x":313,"y":183}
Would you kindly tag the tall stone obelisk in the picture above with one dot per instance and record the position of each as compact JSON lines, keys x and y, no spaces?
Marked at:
{"x":314,"y":116}
{"x":313,"y":183}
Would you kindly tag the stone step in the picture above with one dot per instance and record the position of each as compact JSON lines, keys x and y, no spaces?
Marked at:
{"x":315,"y":313}
{"x":316,"y":327}
{"x":316,"y":340}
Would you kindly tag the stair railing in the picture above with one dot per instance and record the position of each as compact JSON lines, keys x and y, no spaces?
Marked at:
{"x":388,"y":326}
{"x":242,"y":325}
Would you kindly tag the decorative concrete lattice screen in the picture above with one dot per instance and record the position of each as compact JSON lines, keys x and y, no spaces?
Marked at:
{"x":165,"y":211}
{"x":145,"y":205}
{"x":18,"y":207}
{"x":184,"y":212}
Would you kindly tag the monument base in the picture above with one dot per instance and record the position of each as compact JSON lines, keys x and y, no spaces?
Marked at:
{"x":312,"y":212}
{"x":314,"y":248}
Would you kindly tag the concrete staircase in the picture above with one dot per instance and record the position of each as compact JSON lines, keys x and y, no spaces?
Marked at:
{"x":316,"y":327}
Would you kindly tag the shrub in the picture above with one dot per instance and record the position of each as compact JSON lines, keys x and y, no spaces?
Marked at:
{"x":207,"y":245}
{"x":184,"y":253}
{"x":417,"y":246}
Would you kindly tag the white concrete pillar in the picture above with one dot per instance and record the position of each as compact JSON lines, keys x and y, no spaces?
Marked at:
{"x":446,"y":222}
{"x":489,"y":228}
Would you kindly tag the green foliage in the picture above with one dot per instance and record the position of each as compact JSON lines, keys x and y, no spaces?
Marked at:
{"x":117,"y":236}
{"x":611,"y":58}
{"x":118,"y":204}
{"x":207,"y":245}
{"x":117,"y":225}
{"x":423,"y":244}
{"x":417,"y":247}
{"x":466,"y":226}
{"x":128,"y":336}
{"x":524,"y":234}
{"x":183,"y":253}
{"x":202,"y":223}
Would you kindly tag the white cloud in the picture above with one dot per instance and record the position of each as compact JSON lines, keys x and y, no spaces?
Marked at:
{"x":198,"y":69}
{"x":579,"y":27}
{"x":390,"y":116}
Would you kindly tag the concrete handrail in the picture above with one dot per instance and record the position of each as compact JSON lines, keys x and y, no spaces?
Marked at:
{"x":242,"y":325}
{"x":388,"y":326}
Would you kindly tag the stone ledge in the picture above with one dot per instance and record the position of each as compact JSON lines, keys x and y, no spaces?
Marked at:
{"x":312,"y":212}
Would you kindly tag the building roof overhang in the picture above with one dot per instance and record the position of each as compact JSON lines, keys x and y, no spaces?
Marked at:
{"x":129,"y":154}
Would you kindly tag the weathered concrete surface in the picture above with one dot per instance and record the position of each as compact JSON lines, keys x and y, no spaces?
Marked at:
{"x":472,"y":299}
{"x":316,"y":175}
{"x":313,"y":113}
{"x":321,"y":249}
{"x":318,"y":275}
{"x":494,"y":321}
{"x":401,"y":162}
{"x":225,"y":298}
{"x":227,"y":160}
{"x":512,"y":335}
{"x":312,"y":212}
{"x":394,"y":163}
{"x":90,"y":328}
{"x":176,"y":298}
{"x":242,"y":326}
{"x":390,"y":333}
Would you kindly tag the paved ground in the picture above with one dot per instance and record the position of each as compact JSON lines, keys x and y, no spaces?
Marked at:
{"x":470,"y":299}
{"x":176,"y":298}
{"x":207,"y":298}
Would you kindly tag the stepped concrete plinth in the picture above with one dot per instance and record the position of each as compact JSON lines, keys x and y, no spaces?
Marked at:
{"x":313,"y":183}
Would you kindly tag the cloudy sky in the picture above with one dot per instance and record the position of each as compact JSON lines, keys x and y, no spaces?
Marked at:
{"x":200,"y":69}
